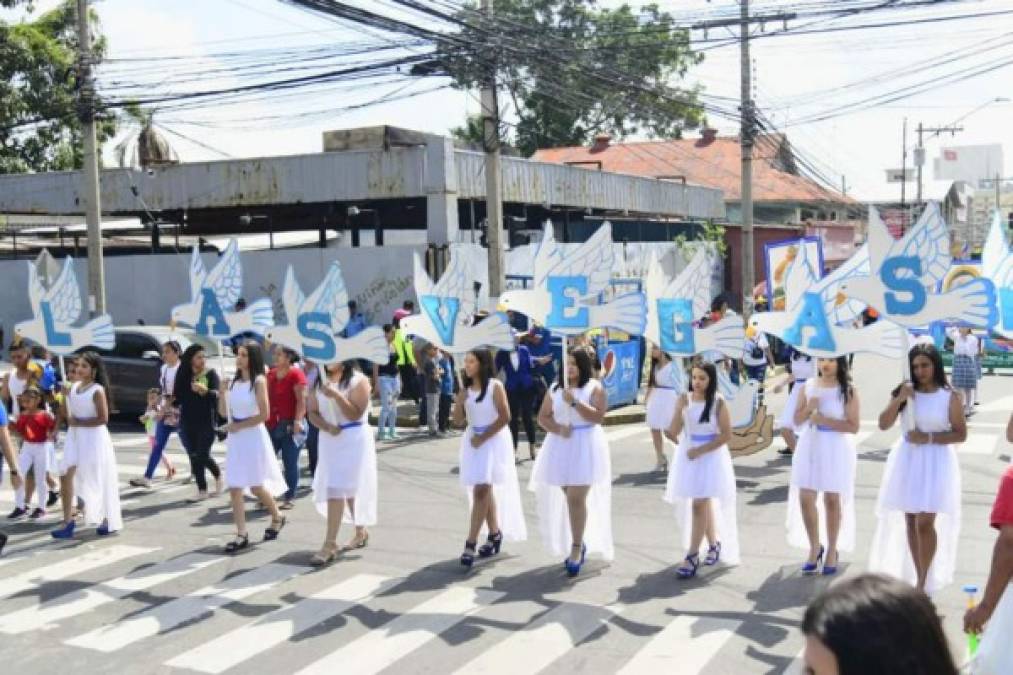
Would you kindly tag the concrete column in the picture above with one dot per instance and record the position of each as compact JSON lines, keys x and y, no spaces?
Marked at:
{"x":440,"y":183}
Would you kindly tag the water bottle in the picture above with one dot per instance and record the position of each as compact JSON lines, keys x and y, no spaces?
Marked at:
{"x":299,"y":437}
{"x":972,"y":638}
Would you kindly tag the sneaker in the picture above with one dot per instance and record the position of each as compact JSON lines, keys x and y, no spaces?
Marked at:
{"x":18,"y":512}
{"x":140,"y":482}
{"x":38,"y":513}
{"x":53,"y":498}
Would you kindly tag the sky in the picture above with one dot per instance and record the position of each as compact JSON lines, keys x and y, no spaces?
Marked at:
{"x":797,"y":77}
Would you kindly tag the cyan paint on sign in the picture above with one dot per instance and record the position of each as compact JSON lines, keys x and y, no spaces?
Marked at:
{"x":210,"y":309}
{"x":890,"y":274}
{"x":675,"y":316}
{"x":432,"y":306}
{"x":318,"y":343}
{"x":1006,"y":306}
{"x":561,"y":301}
{"x":54,"y":338}
{"x":811,"y":315}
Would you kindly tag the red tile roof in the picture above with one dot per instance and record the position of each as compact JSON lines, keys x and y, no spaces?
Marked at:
{"x":715,"y":163}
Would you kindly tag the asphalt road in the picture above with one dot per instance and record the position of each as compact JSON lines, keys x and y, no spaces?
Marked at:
{"x":159,"y":597}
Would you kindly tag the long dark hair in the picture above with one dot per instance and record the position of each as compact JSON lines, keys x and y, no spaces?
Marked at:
{"x":101,"y":375}
{"x":486,"y":371}
{"x":875,"y":625}
{"x":585,"y":367}
{"x":657,"y":364}
{"x":348,"y":369}
{"x":843,"y":376}
{"x":185,"y":372}
{"x":712,"y":388}
{"x":173,"y":345}
{"x":254,"y":362}
{"x":938,"y":374}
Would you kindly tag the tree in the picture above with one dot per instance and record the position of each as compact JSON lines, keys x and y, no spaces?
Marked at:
{"x":39,"y":125}
{"x":573,"y":70}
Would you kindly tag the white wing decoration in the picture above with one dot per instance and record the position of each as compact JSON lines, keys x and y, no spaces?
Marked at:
{"x":798,"y":279}
{"x":593,"y":259}
{"x":547,"y":254}
{"x":198,"y":273}
{"x":35,"y":289}
{"x":929,"y":240}
{"x":331,"y":298}
{"x":654,"y":286}
{"x":456,"y":282}
{"x":694,"y":282}
{"x":226,"y":278}
{"x":65,"y":296}
{"x":839,"y":309}
{"x":292,"y":296}
{"x":996,"y":262}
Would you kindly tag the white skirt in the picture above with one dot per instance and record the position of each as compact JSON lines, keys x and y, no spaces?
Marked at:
{"x":96,"y":479}
{"x":787,"y":417}
{"x":661,"y":408}
{"x":492,"y":463}
{"x":250,"y":461}
{"x":582,"y":459}
{"x":710,"y":476}
{"x":346,"y":469}
{"x":918,"y":479}
{"x":824,"y":461}
{"x":995,"y":651}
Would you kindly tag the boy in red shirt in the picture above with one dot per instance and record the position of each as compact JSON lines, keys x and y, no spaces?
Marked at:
{"x":38,"y":429}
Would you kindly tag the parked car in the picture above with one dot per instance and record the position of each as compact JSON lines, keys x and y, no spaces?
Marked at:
{"x":134,"y":363}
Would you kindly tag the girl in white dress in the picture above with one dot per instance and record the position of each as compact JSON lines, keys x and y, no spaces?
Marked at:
{"x":88,"y":469}
{"x":662,"y":390}
{"x":249,"y":455}
{"x":346,"y":456}
{"x":487,"y":464}
{"x":824,"y":461}
{"x":919,"y":500}
{"x":802,"y":368}
{"x":702,"y":480}
{"x":572,"y":477}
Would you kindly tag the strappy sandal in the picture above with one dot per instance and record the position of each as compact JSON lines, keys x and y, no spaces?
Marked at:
{"x":357,"y":543}
{"x":326,"y":556}
{"x":491,"y":546}
{"x":468,"y":557}
{"x":713,"y":555}
{"x":271,"y":533}
{"x":688,"y":571}
{"x":238,"y":544}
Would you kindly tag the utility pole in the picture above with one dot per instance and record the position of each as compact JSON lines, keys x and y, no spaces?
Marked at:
{"x":747,"y":129}
{"x":89,"y":173}
{"x":997,"y":181}
{"x":903,"y":174}
{"x":920,"y":151}
{"x":493,"y":180}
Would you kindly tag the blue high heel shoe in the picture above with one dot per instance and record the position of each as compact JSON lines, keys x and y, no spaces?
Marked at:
{"x":713,"y":555}
{"x":468,"y":557}
{"x":65,"y":532}
{"x":491,"y":546}
{"x":811,"y":567}
{"x":688,"y":570}
{"x":103,"y":529}
{"x":830,"y":570}
{"x":572,"y":567}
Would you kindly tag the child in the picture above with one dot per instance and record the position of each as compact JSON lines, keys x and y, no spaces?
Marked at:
{"x":432,"y":375}
{"x":38,"y":429}
{"x":150,"y":420}
{"x":446,"y":390}
{"x":965,"y":372}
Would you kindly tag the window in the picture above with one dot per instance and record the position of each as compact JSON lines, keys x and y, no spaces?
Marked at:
{"x":133,"y":345}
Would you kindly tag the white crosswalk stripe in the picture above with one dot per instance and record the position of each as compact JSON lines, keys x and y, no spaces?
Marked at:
{"x":86,"y":600}
{"x":66,"y":569}
{"x":388,"y":644}
{"x":242,"y":644}
{"x":549,"y":637}
{"x":181,"y":610}
{"x":684,"y":647}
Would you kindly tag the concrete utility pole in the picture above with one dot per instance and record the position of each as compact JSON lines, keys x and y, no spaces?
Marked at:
{"x":997,"y":181}
{"x":90,"y":175}
{"x":920,"y":151}
{"x":493,"y":179}
{"x":746,"y":143}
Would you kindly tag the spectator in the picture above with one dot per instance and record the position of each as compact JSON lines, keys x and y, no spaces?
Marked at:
{"x":420,"y":348}
{"x":447,"y":384}
{"x":539,"y":343}
{"x":405,"y":363}
{"x":995,"y":653}
{"x":517,"y":367}
{"x":874,"y":625}
{"x":356,"y":321}
{"x":432,"y":375}
{"x":407,"y":309}
{"x":757,"y":357}
{"x":386,"y":383}
{"x":286,"y":394}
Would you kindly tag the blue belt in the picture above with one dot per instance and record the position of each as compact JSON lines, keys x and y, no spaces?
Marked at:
{"x":800,"y":380}
{"x":702,"y":438}
{"x":349,"y":425}
{"x":581,"y":427}
{"x":823,"y":427}
{"x":479,"y":430}
{"x":658,"y":386}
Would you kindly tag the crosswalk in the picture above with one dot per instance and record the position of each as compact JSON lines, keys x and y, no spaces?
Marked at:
{"x":386,"y":623}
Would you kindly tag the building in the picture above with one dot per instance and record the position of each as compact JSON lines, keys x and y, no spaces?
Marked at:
{"x":971,"y":164}
{"x":786,"y":204}
{"x":956,"y":201}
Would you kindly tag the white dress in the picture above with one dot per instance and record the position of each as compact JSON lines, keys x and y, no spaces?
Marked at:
{"x":581,"y":459}
{"x":995,"y":651}
{"x":661,"y":402}
{"x":492,"y":463}
{"x":709,"y":476}
{"x":249,"y":455}
{"x":803,"y":369}
{"x":920,"y":479}
{"x":90,"y":449}
{"x":824,"y":461}
{"x":346,"y":463}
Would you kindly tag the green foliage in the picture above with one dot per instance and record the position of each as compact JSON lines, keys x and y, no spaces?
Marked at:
{"x":472,"y":131}
{"x":711,"y":234}
{"x":572,"y":69}
{"x":39,"y":126}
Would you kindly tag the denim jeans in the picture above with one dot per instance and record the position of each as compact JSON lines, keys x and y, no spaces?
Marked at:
{"x":284,"y":443}
{"x":389,"y":389}
{"x":312,"y":444}
{"x":162,"y":433}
